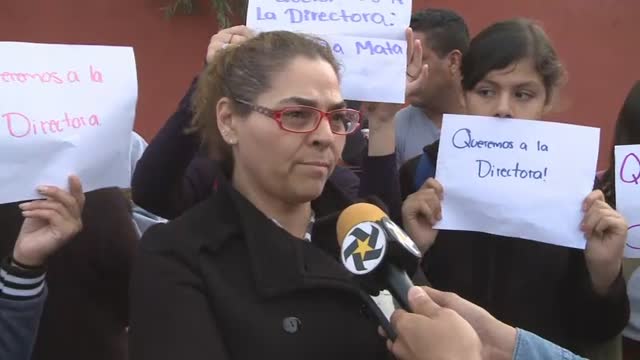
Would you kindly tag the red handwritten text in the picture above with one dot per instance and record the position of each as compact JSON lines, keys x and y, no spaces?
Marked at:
{"x":43,"y":77}
{"x":52,"y":77}
{"x":628,"y":173}
{"x":19,"y":125}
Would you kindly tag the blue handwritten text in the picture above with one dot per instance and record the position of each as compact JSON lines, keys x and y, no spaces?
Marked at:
{"x":487,"y":169}
{"x":462,"y":139}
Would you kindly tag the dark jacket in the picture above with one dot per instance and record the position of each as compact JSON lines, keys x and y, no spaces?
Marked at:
{"x":173,"y":174}
{"x":225,"y":282}
{"x":86,"y":311}
{"x":539,"y":287}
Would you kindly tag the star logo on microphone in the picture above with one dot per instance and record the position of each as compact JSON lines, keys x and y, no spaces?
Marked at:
{"x":363,"y":248}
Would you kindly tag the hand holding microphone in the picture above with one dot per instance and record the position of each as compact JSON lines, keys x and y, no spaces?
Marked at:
{"x":434,"y":331}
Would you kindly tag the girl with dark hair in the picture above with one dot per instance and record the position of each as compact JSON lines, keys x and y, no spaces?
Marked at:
{"x":572,"y":297}
{"x":627,"y":132}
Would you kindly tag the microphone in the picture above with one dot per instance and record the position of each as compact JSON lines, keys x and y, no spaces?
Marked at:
{"x":377,"y":250}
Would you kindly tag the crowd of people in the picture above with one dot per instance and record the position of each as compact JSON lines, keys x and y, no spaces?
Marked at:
{"x":225,"y":245}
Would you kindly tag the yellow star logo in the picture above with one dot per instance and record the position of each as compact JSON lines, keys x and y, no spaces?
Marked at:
{"x":363,"y":248}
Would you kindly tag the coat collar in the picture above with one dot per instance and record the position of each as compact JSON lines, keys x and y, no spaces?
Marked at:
{"x":280,"y":262}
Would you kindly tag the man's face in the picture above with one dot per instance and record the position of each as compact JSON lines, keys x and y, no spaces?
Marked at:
{"x":439,"y":79}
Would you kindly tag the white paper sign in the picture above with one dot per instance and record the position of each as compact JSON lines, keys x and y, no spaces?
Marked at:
{"x":65,"y":109}
{"x":627,"y":177}
{"x":367,"y":37}
{"x":517,"y":178}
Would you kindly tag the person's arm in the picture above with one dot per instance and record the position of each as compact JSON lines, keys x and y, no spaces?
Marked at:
{"x":444,"y":325}
{"x":598,"y":307}
{"x":159,"y":184}
{"x":592,"y":316}
{"x":380,"y":175}
{"x":170,"y":315}
{"x":380,"y":178}
{"x":22,"y":297}
{"x":48,"y":225}
{"x":170,"y":177}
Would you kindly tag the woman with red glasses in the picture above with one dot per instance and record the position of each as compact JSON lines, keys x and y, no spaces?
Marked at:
{"x":251,"y":272}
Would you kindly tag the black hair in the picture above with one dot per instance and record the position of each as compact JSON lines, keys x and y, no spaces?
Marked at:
{"x":445,"y":30}
{"x":627,"y":133}
{"x":508,"y":42}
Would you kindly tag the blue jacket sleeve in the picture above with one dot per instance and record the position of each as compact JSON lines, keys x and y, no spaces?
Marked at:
{"x":532,"y":347}
{"x":22,"y":297}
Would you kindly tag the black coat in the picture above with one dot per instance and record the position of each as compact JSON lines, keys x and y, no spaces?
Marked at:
{"x":225,"y":282}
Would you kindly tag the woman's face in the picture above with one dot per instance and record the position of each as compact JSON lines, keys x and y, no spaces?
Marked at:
{"x":290,"y":167}
{"x":516,"y":91}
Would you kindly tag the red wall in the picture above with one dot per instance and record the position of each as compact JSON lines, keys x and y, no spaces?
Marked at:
{"x":597,"y":40}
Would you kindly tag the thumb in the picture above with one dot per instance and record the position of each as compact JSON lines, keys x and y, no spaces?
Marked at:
{"x":421,"y":303}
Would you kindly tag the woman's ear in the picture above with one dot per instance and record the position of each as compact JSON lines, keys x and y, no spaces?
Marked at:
{"x":226,"y":121}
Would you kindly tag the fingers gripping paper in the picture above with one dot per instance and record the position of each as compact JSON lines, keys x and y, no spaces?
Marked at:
{"x":367,"y":36}
{"x":65,"y":109}
{"x":627,"y":179}
{"x":517,"y":178}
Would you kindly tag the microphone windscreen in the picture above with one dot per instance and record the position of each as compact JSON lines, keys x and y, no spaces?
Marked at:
{"x":354,"y":215}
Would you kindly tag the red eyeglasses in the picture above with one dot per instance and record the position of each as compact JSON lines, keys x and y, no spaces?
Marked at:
{"x":306,"y":119}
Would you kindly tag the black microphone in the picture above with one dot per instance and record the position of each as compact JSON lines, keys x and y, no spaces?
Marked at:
{"x":377,"y":250}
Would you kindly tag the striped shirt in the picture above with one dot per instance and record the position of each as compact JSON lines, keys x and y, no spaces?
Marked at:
{"x":20,"y":284}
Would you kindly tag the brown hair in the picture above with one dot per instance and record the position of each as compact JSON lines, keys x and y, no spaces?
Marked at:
{"x":506,"y":42}
{"x":244,"y":72}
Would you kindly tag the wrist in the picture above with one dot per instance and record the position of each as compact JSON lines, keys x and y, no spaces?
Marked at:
{"x":602,"y":276}
{"x":377,"y":123}
{"x":382,"y":139}
{"x":25,"y":260}
{"x":19,"y":283}
{"x":504,"y":344}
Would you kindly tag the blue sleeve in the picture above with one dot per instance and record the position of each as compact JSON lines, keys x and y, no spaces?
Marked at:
{"x":22,"y":297}
{"x":530,"y":346}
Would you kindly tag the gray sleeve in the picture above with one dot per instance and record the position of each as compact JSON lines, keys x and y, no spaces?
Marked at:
{"x":19,"y":320}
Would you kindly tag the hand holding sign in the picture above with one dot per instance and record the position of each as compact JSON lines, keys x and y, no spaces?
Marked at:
{"x":49,"y":223}
{"x":417,"y":73}
{"x":421,"y":211}
{"x":230,"y":36}
{"x":606,"y":233}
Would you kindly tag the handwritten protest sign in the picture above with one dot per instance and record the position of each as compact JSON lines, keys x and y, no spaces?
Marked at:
{"x":65,"y":109}
{"x":627,"y":178}
{"x":517,"y":178}
{"x":367,"y":36}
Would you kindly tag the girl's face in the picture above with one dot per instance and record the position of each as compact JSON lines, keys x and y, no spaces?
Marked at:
{"x":516,"y":91}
